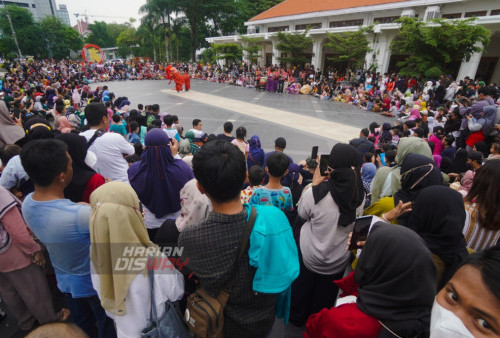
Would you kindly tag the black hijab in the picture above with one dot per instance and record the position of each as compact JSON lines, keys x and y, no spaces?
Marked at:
{"x":438,"y":217}
{"x":417,"y":172}
{"x":459,"y":163}
{"x":397,"y":280}
{"x":82,"y":173}
{"x":345,"y":183}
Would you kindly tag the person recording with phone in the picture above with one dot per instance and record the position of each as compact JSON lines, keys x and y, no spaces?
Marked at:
{"x":330,"y":208}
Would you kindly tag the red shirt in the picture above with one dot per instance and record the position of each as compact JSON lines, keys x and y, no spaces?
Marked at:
{"x":95,"y":182}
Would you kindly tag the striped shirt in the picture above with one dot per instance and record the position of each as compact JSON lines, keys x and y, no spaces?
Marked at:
{"x":477,"y":237}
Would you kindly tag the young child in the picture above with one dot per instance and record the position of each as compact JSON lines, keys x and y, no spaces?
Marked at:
{"x":117,"y":126}
{"x":255,"y":178}
{"x":133,"y":136}
{"x":273,"y":193}
{"x":170,"y":129}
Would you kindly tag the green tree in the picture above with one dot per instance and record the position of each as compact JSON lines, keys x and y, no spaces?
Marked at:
{"x":28,"y":32}
{"x":126,"y":42}
{"x":59,"y":39}
{"x":439,"y":44}
{"x":350,"y":48}
{"x":252,"y":47}
{"x":231,"y":52}
{"x":114,"y":29}
{"x":100,"y":35}
{"x":293,"y":47}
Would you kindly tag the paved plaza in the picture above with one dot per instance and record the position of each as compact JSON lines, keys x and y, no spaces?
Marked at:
{"x":304,"y":121}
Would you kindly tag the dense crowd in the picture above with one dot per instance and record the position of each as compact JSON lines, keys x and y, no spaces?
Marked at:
{"x":140,"y":218}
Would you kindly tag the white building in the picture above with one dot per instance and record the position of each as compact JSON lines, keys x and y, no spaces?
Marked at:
{"x":39,"y":8}
{"x":332,"y":16}
{"x":62,"y":13}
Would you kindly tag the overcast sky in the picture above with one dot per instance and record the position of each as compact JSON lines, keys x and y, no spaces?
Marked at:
{"x":105,"y":10}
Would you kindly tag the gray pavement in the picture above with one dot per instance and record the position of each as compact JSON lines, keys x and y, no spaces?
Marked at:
{"x":299,"y":139}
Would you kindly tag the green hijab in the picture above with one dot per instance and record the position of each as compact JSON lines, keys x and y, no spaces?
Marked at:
{"x":388,"y":180}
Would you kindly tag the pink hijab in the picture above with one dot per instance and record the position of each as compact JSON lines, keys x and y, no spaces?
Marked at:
{"x":414,"y":114}
{"x":64,"y":125}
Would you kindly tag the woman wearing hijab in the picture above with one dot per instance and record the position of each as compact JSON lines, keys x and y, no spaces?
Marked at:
{"x":10,"y":132}
{"x":158,"y":179}
{"x":256,"y":153}
{"x":414,"y":113}
{"x":85,"y":180}
{"x":116,"y":225}
{"x":330,"y":209}
{"x":63,"y":125}
{"x":438,"y":216}
{"x":459,"y":163}
{"x":190,"y":138}
{"x":417,"y":172}
{"x":391,"y":291}
{"x":367,"y":174}
{"x":23,"y":284}
{"x":385,"y":136}
{"x":387,"y":180}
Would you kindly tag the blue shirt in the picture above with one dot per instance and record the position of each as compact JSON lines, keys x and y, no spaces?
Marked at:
{"x":63,"y":227}
{"x":280,"y":198}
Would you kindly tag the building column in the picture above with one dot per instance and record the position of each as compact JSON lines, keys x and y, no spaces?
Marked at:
{"x":317,"y":58}
{"x":496,"y":73}
{"x":245,"y":53}
{"x":383,"y":54}
{"x":276,"y":52}
{"x":469,"y":68}
{"x":261,"y":60}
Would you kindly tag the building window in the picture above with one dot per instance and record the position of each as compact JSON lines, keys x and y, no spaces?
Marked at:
{"x":475,"y":14}
{"x":452,"y":16}
{"x":308,"y":25}
{"x":278,"y":29}
{"x":495,"y":12}
{"x":346,"y":23}
{"x":33,"y":5}
{"x":386,"y":19}
{"x":20,"y":4}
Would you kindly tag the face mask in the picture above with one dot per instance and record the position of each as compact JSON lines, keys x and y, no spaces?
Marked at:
{"x":444,"y":323}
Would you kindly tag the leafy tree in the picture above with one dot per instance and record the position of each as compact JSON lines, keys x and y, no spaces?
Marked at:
{"x":126,"y":41}
{"x":252,"y":47}
{"x":114,"y":29}
{"x":231,"y":52}
{"x":350,"y":48}
{"x":100,"y":35}
{"x":59,"y":39}
{"x":439,"y":44}
{"x":251,"y":8}
{"x":293,"y":46}
{"x":208,"y":55}
{"x":28,"y":32}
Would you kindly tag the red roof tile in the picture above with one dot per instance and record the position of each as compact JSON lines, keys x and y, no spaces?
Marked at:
{"x":294,"y":7}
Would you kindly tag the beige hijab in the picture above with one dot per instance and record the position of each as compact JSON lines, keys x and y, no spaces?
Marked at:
{"x":116,"y":224}
{"x":10,"y":132}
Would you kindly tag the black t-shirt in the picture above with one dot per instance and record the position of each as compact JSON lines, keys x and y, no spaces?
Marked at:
{"x":225,"y":138}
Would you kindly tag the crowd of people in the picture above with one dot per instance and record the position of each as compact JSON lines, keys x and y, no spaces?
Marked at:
{"x":133,"y":214}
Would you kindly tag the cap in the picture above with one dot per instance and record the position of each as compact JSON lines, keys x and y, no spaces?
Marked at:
{"x":476,"y":156}
{"x":280,"y":142}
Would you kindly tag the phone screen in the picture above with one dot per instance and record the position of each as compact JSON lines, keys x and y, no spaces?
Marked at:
{"x":323,"y":164}
{"x":314,"y":153}
{"x":141,"y":209}
{"x":360,"y":232}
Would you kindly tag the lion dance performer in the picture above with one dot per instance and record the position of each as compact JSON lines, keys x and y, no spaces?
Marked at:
{"x":173,"y":74}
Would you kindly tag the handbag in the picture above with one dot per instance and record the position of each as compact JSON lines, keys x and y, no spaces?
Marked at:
{"x":204,"y":313}
{"x":170,"y":325}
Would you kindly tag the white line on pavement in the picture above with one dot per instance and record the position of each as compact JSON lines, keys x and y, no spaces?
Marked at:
{"x":328,"y":129}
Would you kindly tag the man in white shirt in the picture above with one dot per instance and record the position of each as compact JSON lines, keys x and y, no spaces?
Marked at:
{"x":108,"y":148}
{"x":199,"y":135}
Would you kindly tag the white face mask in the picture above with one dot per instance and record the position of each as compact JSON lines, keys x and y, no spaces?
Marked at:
{"x":444,"y":323}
